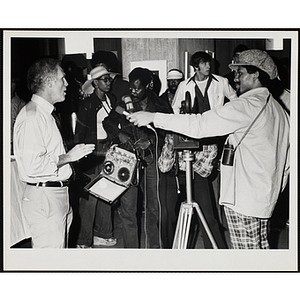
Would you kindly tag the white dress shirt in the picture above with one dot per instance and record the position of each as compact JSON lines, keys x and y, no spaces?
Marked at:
{"x":38,"y":143}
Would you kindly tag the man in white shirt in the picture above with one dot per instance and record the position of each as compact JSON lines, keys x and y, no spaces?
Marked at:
{"x":42,"y":159}
{"x":251,"y":185}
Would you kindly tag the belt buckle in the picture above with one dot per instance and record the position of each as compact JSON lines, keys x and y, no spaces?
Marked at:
{"x":61,"y":183}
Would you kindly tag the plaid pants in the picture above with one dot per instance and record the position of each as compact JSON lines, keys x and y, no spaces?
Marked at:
{"x":246,"y":232}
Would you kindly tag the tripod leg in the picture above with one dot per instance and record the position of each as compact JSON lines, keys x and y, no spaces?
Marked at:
{"x":202,"y":219}
{"x":186,"y":211}
{"x":189,"y":213}
{"x":183,"y":226}
{"x":176,"y":235}
{"x":178,"y":232}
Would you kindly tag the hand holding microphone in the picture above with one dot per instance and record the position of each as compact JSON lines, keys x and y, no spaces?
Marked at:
{"x":136,"y":118}
{"x":141,"y":118}
{"x":131,"y":116}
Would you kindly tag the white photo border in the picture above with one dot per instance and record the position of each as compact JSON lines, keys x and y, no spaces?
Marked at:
{"x":143,"y":260}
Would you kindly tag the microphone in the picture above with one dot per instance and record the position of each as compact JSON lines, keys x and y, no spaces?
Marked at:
{"x":188,"y":102}
{"x":121,"y":111}
{"x":128,"y":103}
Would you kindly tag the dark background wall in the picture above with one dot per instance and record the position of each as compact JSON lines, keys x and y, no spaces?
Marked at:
{"x":26,"y":50}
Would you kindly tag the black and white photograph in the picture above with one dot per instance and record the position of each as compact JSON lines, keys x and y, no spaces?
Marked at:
{"x":150,"y":150}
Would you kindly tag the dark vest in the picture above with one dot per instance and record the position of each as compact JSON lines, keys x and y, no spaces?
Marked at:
{"x":201,"y":103}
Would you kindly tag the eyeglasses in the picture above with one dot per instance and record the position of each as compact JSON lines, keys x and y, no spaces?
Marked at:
{"x":135,"y":89}
{"x":106,"y":79}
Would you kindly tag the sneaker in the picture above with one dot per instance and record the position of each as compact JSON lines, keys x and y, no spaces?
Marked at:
{"x":104,"y":242}
{"x":83,"y":247}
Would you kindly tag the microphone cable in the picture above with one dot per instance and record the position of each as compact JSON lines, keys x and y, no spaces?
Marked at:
{"x":145,"y":204}
{"x":157,"y":188}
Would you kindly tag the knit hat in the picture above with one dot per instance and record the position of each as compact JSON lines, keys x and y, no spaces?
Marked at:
{"x":174,"y":74}
{"x":259,"y":59}
{"x":95,"y":73}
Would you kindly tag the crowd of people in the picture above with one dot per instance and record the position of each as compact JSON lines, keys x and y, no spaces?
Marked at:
{"x":57,"y":158}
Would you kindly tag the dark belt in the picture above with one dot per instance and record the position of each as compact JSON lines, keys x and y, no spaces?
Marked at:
{"x":51,"y":183}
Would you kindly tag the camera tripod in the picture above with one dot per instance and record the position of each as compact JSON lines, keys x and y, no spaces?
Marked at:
{"x":186,"y":210}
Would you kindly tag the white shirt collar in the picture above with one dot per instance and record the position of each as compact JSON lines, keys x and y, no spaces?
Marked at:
{"x":43,"y":103}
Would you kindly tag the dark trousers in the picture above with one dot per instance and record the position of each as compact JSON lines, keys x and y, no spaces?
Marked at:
{"x":169,"y":208}
{"x":201,"y":194}
{"x":152,"y":206}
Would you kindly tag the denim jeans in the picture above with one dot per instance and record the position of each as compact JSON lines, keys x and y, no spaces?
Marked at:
{"x":95,"y":214}
{"x":128,"y":211}
{"x":95,"y":219}
{"x":128,"y":216}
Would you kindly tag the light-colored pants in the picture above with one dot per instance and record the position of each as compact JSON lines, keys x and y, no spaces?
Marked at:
{"x":48,"y":214}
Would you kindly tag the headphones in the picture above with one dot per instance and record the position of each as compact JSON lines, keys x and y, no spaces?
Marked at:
{"x":150,"y":85}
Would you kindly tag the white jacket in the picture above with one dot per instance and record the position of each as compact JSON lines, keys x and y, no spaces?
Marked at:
{"x":261,"y":165}
{"x":218,"y":90}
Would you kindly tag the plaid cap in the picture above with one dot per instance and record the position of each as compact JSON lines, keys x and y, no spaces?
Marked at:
{"x":259,"y":59}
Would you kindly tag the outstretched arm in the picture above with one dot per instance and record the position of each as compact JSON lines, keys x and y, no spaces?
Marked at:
{"x":76,"y":153}
{"x":141,"y":118}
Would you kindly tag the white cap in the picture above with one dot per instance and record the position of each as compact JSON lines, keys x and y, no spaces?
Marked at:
{"x":174,"y":74}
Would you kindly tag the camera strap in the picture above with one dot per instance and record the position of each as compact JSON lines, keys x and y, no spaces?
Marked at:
{"x":246,"y":132}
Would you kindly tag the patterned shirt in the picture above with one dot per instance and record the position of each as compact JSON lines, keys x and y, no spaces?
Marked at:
{"x":203,"y":159}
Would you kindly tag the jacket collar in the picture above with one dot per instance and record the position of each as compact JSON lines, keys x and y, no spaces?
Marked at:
{"x":193,"y":78}
{"x":260,"y":90}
